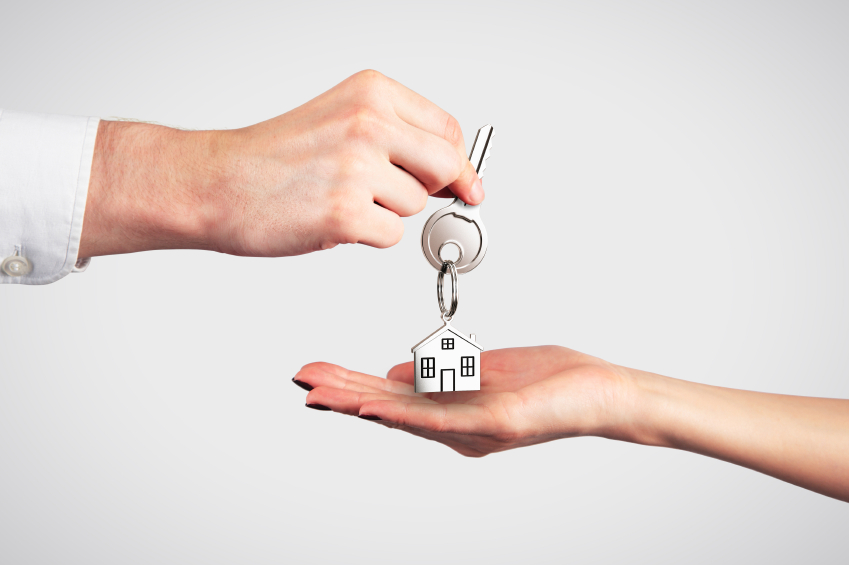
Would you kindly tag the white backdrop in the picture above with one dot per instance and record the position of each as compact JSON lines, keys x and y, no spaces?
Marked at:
{"x":668,"y":190}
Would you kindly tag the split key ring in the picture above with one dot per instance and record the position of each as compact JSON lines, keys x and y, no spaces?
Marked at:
{"x":447,"y":266}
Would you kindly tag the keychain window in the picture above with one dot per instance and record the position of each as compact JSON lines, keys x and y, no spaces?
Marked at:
{"x":448,"y":343}
{"x":428,"y":369}
{"x":467,"y":366}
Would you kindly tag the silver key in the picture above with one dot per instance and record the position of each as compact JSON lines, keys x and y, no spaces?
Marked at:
{"x":458,"y":228}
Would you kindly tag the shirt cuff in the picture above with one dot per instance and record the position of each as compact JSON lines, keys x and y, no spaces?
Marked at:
{"x":45,"y":167}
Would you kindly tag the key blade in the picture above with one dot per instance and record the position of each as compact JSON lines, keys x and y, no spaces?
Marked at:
{"x":481,"y":149}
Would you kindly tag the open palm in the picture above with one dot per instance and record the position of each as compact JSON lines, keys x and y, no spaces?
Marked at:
{"x":528,"y":395}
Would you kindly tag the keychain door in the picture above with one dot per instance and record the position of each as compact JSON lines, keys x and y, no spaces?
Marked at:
{"x":447,"y":380}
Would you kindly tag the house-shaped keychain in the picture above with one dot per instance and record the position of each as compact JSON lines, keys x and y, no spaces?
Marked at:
{"x":447,"y":360}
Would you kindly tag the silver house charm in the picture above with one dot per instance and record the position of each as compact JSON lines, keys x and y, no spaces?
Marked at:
{"x":447,"y":360}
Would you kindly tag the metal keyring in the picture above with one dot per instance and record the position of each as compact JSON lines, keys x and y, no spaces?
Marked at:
{"x":455,"y":293}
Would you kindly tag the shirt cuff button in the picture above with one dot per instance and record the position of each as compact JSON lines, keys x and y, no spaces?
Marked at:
{"x":16,"y":266}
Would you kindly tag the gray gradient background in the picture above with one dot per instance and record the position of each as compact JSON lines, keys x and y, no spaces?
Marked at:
{"x":668,"y":190}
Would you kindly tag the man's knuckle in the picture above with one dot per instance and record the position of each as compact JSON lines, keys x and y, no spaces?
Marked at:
{"x":411,"y":204}
{"x":352,"y":168}
{"x":392,"y":234}
{"x":453,"y":133}
{"x":361,"y":124}
{"x":341,"y":218}
{"x":368,"y":77}
{"x":368,"y":86}
{"x":446,"y":169}
{"x":420,"y":202}
{"x":397,"y":232}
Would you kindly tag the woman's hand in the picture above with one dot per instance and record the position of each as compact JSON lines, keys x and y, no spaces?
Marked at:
{"x":537,"y":394}
{"x":342,"y":168}
{"x":528,"y":395}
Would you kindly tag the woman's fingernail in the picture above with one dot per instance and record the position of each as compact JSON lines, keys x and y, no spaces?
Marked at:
{"x":302,"y":384}
{"x":318,"y":407}
{"x":476,"y":193}
{"x":369,"y":417}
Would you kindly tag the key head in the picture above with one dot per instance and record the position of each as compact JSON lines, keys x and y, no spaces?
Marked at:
{"x":455,"y":227}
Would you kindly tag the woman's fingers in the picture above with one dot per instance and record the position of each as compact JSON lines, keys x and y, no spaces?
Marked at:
{"x":476,"y":419}
{"x":403,"y":373}
{"x":465,"y":445}
{"x":471,"y":429}
{"x":327,"y":374}
{"x":350,"y":401}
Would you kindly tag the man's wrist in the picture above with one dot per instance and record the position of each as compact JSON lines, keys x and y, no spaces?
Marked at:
{"x":152,"y":187}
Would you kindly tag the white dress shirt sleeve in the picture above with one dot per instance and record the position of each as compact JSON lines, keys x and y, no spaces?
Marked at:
{"x":45,"y":165}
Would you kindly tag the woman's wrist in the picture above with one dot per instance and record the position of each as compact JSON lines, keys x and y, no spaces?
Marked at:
{"x":635,"y":407}
{"x":152,"y":187}
{"x":665,"y":412}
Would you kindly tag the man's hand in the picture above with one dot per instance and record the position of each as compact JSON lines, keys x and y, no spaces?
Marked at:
{"x":528,"y":395}
{"x":342,"y":168}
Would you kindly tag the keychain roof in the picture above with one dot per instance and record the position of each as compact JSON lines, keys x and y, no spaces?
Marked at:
{"x":447,"y":327}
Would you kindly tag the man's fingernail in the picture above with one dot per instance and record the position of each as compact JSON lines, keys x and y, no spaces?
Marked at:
{"x":369,"y":417}
{"x":302,"y":384}
{"x":476,"y":193}
{"x":318,"y":407}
